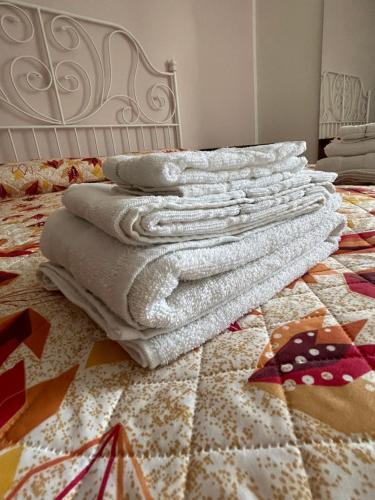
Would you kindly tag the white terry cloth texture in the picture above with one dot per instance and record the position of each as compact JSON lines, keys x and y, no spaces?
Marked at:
{"x":295,"y":166}
{"x":357,"y":132}
{"x":352,"y":148}
{"x":288,"y":168}
{"x":162,"y":301}
{"x":158,"y":170}
{"x":162,"y":349}
{"x":351,"y":169}
{"x":147,"y":220}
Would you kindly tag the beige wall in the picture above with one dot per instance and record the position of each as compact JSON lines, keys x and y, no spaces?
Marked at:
{"x":289,"y":38}
{"x":349,"y":41}
{"x":211,"y":41}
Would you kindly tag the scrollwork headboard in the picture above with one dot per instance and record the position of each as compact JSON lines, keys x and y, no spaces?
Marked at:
{"x":343,"y":101}
{"x":73,"y":86}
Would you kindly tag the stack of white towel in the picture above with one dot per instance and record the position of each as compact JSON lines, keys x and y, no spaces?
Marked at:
{"x":185,"y":243}
{"x":351,"y":155}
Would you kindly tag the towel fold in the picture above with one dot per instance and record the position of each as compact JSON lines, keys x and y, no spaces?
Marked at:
{"x":355,"y":132}
{"x":350,"y":148}
{"x":350,"y":170}
{"x":162,"y":301}
{"x":146,"y":220}
{"x":160,"y":170}
{"x":198,"y":190}
{"x":292,"y":167}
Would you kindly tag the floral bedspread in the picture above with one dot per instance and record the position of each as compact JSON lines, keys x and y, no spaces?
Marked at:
{"x":281,"y":405}
{"x":47,"y":176}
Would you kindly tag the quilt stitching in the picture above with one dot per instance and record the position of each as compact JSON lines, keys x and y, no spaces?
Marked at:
{"x":289,"y":444}
{"x":298,"y":442}
{"x":363,"y":440}
{"x":193,"y":419}
{"x":301,"y":443}
{"x":290,"y":415}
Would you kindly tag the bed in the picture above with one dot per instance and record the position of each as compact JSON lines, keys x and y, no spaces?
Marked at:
{"x":79,"y":419}
{"x":343,"y":101}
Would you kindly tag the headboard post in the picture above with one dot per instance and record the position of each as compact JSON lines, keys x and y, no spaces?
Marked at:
{"x":172,"y":67}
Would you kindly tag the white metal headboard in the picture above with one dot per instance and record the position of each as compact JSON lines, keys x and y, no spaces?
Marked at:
{"x":343,"y":101}
{"x":66,"y":91}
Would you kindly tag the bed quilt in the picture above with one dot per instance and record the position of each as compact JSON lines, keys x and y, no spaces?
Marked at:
{"x":281,"y":405}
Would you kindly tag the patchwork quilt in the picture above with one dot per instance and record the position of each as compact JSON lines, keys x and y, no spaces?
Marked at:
{"x":281,"y":405}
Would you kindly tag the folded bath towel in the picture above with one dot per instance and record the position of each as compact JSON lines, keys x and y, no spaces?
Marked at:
{"x":160,"y":302}
{"x":147,"y":220}
{"x":290,"y":167}
{"x":159,"y":170}
{"x":352,"y":148}
{"x":350,"y":169}
{"x":354,"y":132}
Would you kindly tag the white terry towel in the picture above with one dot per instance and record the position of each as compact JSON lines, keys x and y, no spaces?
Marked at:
{"x":148,"y":220}
{"x":352,"y":148}
{"x":158,"y":170}
{"x":288,"y":168}
{"x":350,"y":170}
{"x":161,"y":302}
{"x":295,"y":167}
{"x":355,"y":132}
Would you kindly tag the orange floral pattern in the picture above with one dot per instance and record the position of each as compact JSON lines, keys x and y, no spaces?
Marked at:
{"x":280,"y":405}
{"x":38,"y":177}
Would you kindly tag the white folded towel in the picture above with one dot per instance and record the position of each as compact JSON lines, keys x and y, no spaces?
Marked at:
{"x":296,"y":166}
{"x":292,"y":166}
{"x":354,"y":132}
{"x":147,"y":220}
{"x":350,"y":169}
{"x":158,"y":170}
{"x":190,"y":290}
{"x":350,"y":148}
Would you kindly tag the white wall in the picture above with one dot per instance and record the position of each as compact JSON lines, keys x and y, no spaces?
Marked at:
{"x":289,"y":42}
{"x":349,"y":41}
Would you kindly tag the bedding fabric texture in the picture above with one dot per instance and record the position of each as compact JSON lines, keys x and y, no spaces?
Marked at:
{"x":281,"y":404}
{"x":352,"y":148}
{"x":146,"y":220}
{"x":46,"y":176}
{"x":354,"y":169}
{"x":355,"y":132}
{"x":174,"y":291}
